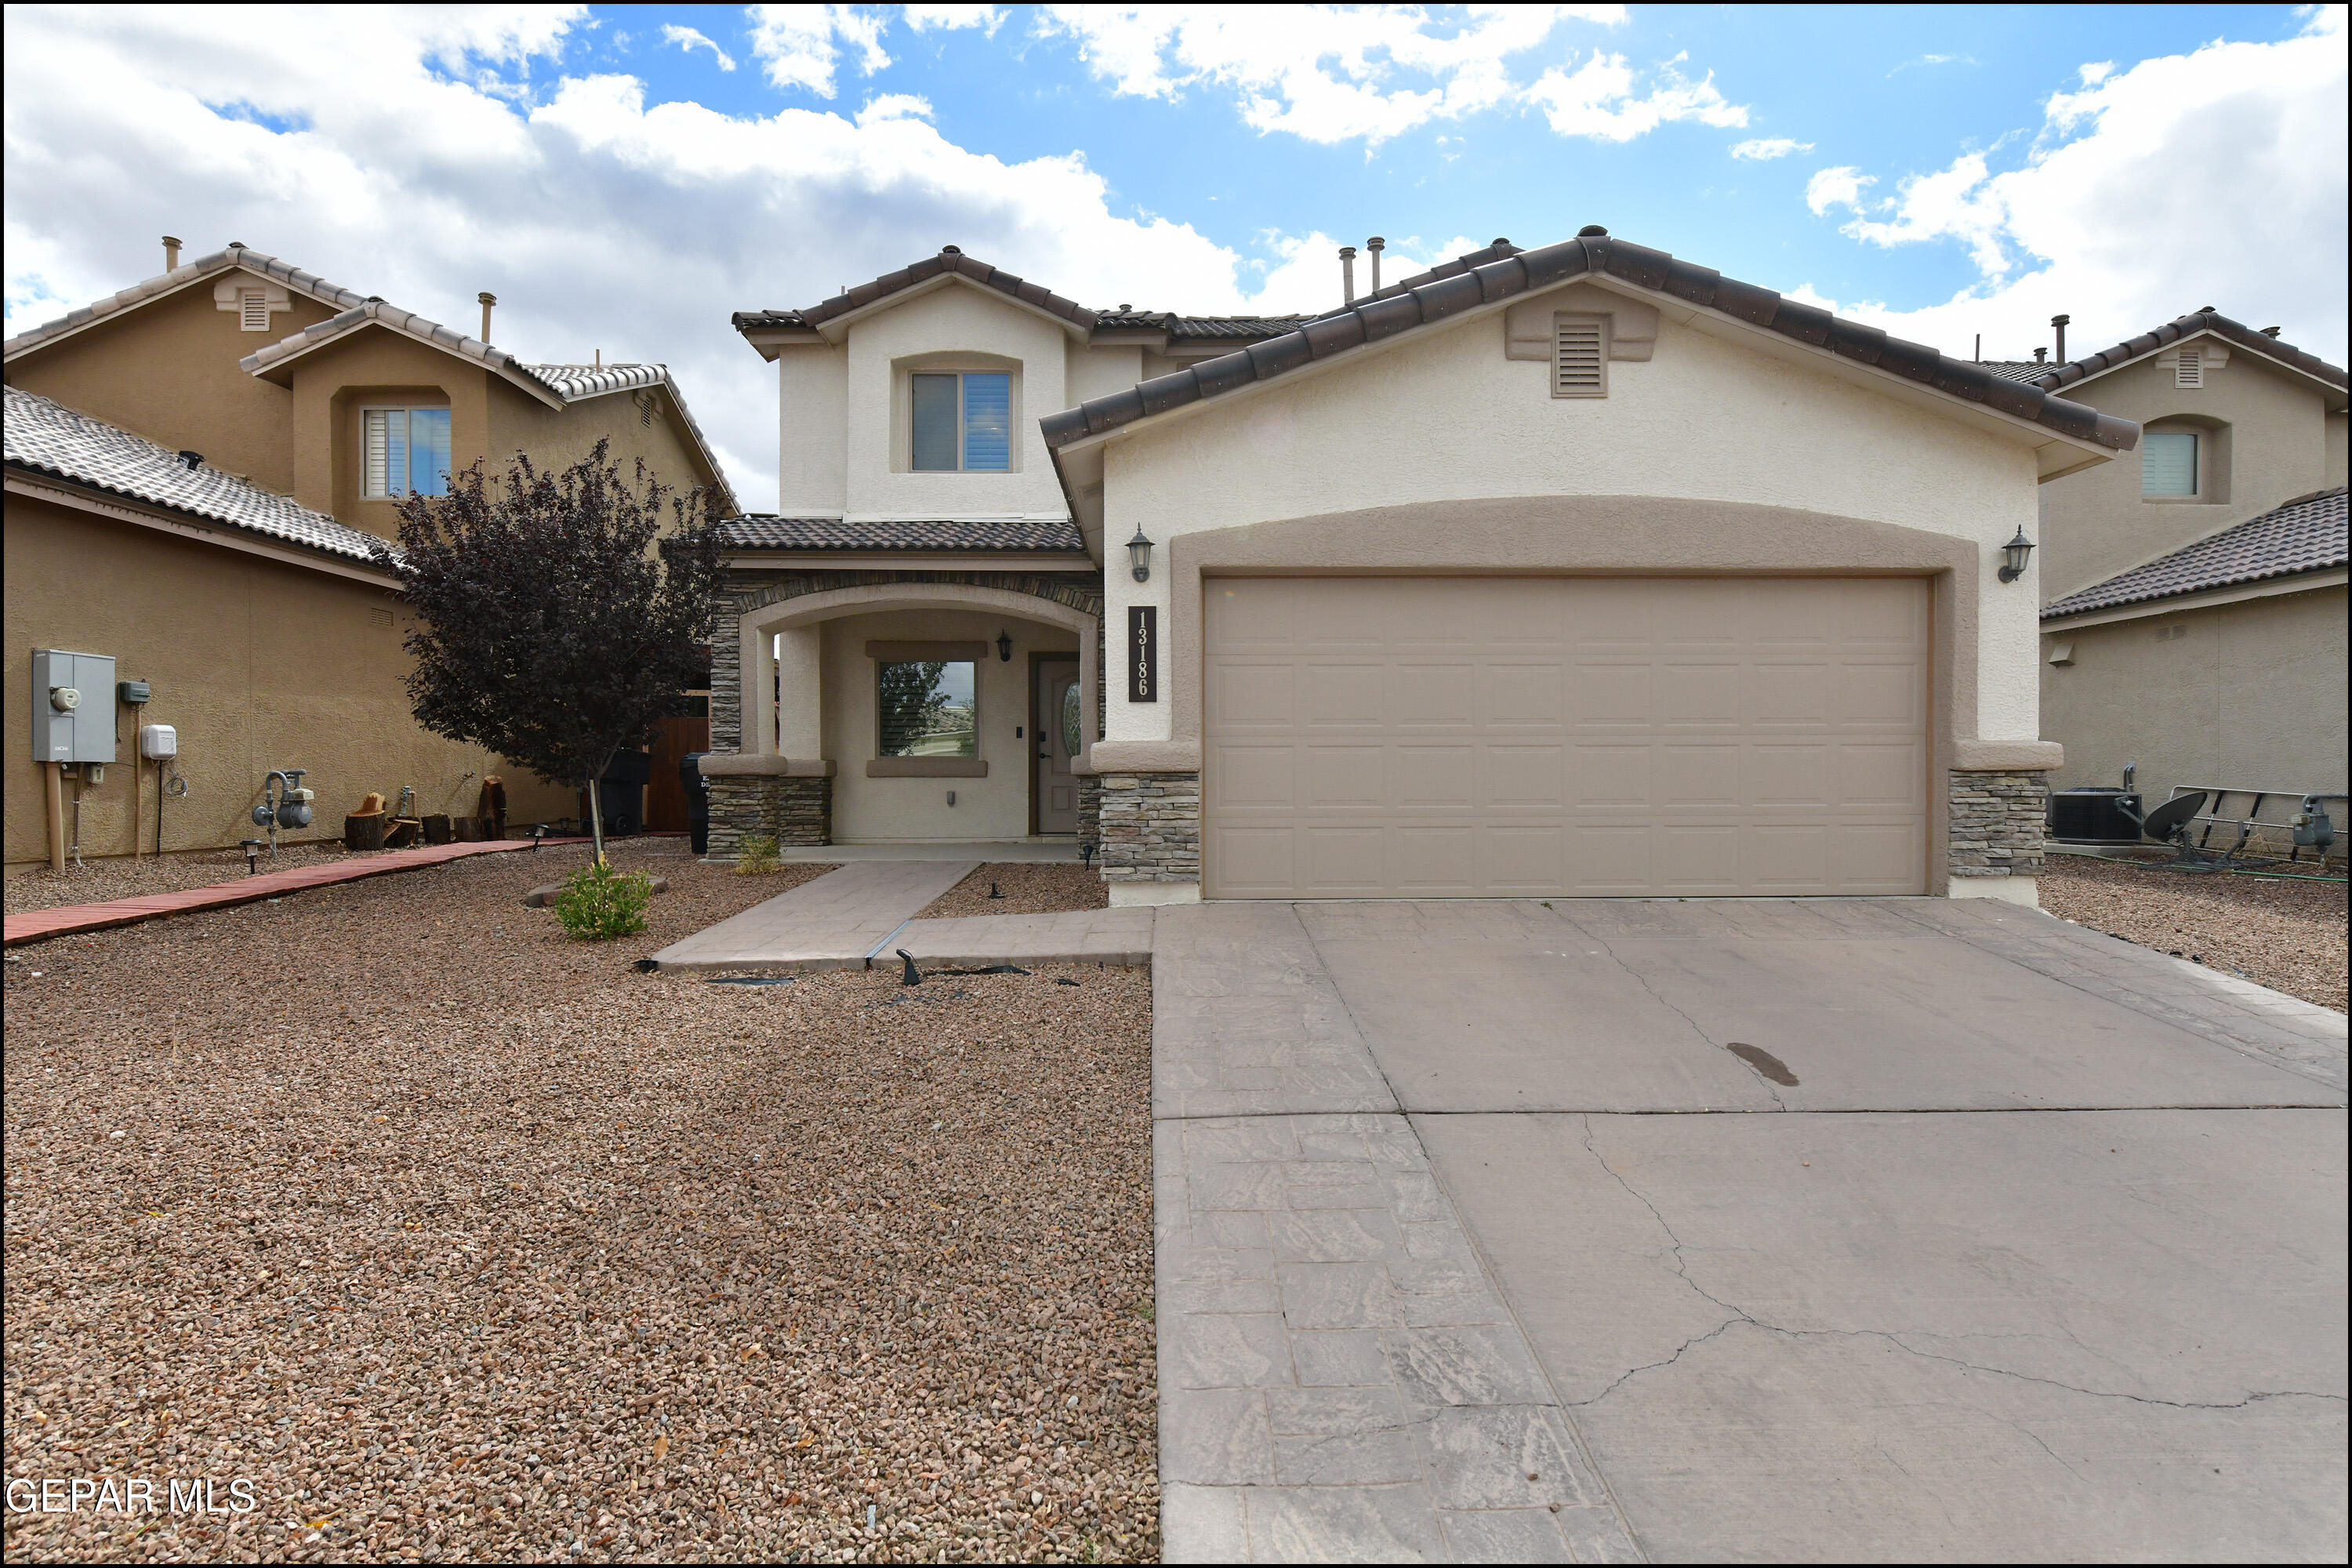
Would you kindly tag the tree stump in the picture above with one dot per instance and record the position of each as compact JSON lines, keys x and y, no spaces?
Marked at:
{"x":363,"y":830}
{"x":468,"y":829}
{"x":436,"y":829}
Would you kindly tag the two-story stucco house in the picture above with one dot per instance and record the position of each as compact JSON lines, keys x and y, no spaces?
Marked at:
{"x":1574,"y":570}
{"x":198,"y":470}
{"x":2194,"y":611}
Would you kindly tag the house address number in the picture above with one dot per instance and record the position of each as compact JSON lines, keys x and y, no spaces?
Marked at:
{"x":1143,"y":652}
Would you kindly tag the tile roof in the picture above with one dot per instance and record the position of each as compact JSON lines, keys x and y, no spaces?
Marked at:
{"x":309,"y":284}
{"x":1502,"y":270}
{"x":49,"y":439}
{"x":2306,"y":534}
{"x":2051,"y":377}
{"x":763,"y":530}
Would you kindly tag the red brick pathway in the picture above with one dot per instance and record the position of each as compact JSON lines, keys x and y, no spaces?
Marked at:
{"x":36,"y":924}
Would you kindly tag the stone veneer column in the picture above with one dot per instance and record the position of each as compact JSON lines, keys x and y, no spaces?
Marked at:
{"x":725,"y":684}
{"x":795,"y":810}
{"x":1149,"y":825}
{"x":1089,"y":811}
{"x":1997,"y":820}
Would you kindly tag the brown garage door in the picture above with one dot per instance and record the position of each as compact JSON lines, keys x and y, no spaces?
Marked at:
{"x":1468,"y":737}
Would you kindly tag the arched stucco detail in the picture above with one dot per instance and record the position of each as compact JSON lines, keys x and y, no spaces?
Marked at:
{"x":757,"y":624}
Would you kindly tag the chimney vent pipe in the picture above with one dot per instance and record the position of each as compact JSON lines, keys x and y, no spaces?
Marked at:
{"x":171,"y":252}
{"x":1376,"y":244}
{"x":487,"y":300}
{"x":2040,"y":356}
{"x":2059,"y":322}
{"x":1347,"y":274}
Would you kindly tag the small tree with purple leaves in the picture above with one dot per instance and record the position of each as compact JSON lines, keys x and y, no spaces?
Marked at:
{"x":556,"y":620}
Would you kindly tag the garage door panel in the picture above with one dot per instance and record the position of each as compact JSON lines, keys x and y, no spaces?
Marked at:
{"x":1597,"y":736}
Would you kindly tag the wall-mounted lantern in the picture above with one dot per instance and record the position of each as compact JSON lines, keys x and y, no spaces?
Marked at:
{"x":1139,"y":553}
{"x":2014,"y":556}
{"x":1005,"y":646}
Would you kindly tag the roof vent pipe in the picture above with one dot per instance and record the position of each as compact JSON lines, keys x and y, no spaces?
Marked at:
{"x":1346,"y":274}
{"x":2059,"y":322}
{"x":1376,"y":244}
{"x":2040,"y":356}
{"x":171,"y":252}
{"x":487,"y":300}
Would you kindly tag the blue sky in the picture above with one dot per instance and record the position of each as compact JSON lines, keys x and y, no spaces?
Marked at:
{"x":623,"y":177}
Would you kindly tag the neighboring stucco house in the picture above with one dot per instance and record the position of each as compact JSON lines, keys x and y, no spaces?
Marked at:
{"x":1574,"y":570}
{"x":195,"y":468}
{"x":2194,"y":602}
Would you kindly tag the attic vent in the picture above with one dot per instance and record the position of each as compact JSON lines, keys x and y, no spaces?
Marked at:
{"x":1580,"y":356}
{"x":2189,"y":371}
{"x":252,"y":311}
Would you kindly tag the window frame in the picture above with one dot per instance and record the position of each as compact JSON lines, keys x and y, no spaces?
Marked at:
{"x":881,"y":744}
{"x":407,"y":410}
{"x":962,"y":376}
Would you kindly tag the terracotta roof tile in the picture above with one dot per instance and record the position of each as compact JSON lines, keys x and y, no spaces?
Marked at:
{"x":763,"y":530}
{"x":2308,"y":535}
{"x":2051,"y":377}
{"x":1502,"y":270}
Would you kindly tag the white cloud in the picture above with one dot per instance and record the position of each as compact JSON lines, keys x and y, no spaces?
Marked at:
{"x":2215,"y":177}
{"x":1935,"y":60}
{"x":1767,"y":147}
{"x":1839,"y":187}
{"x":1323,"y":73}
{"x":385,"y":159}
{"x":1303,"y":272}
{"x":1598,"y":101}
{"x":923,"y":18}
{"x":802,"y":45}
{"x":689,"y":39}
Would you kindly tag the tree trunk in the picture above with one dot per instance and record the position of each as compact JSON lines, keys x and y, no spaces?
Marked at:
{"x":596,"y":818}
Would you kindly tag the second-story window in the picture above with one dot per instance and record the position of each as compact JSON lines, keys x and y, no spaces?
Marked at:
{"x":2167,"y":463}
{"x":407,"y":452}
{"x":963,"y":422}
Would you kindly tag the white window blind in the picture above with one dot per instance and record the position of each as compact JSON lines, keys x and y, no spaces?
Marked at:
{"x":253,"y":311}
{"x":963,"y":422}
{"x":2167,"y":463}
{"x":1580,"y":357}
{"x":2188,"y":370}
{"x":406,"y":451}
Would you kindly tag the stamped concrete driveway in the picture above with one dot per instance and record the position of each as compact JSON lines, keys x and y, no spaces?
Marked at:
{"x":1842,"y":1230}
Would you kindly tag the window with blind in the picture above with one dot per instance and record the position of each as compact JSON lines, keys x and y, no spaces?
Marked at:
{"x":963,"y":422}
{"x":1580,"y":356}
{"x":2167,"y":463}
{"x":407,"y":452}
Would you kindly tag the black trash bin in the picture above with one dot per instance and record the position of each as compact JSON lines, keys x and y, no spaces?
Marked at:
{"x":622,"y":790}
{"x":697,"y":801}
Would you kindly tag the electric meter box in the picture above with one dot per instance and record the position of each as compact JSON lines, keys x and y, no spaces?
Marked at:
{"x":73,"y":705}
{"x":158,"y":742}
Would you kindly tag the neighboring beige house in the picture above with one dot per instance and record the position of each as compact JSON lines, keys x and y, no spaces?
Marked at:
{"x":1574,"y":570}
{"x":2194,"y":601}
{"x":195,"y":468}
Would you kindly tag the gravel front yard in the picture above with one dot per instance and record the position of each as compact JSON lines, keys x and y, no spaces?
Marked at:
{"x":119,"y":877}
{"x":1027,"y":889}
{"x":462,"y":1240}
{"x":2289,"y":936}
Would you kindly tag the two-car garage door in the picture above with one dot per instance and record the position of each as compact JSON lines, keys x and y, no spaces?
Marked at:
{"x":1473,"y":737}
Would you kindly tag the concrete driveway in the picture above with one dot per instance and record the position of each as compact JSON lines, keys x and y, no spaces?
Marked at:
{"x":1855,"y":1230}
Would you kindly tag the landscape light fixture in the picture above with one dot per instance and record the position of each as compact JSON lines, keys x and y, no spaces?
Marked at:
{"x":1005,"y":646}
{"x":1138,"y":551}
{"x":252,"y":848}
{"x":2013,"y":555}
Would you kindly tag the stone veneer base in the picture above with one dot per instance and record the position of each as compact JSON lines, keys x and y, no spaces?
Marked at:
{"x":1150,"y":827}
{"x":791,"y":811}
{"x":1996,"y":824}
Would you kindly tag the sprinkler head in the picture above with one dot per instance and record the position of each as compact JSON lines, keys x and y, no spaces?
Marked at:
{"x":995,"y":891}
{"x":910,"y":976}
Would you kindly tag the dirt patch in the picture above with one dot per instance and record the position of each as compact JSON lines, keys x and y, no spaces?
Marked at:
{"x":1027,"y":889}
{"x":2287,"y":935}
{"x":461,"y":1239}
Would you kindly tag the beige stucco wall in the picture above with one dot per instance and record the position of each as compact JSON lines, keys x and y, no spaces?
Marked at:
{"x":258,"y":664}
{"x":1447,"y":417}
{"x":2251,"y":696}
{"x":168,"y":369}
{"x":812,"y":430}
{"x":2096,"y":523}
{"x":556,"y":438}
{"x":993,"y":808}
{"x":375,"y":366}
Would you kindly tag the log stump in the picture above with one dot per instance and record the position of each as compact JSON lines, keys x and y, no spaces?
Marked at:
{"x":363,"y":830}
{"x":436,"y":829}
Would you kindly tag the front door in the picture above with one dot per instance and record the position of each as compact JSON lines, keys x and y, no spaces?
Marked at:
{"x":1054,"y":788}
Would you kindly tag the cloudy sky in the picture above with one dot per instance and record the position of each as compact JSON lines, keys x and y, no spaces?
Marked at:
{"x":623,"y":177}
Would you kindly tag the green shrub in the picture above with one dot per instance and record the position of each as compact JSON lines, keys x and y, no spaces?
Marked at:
{"x":599,"y":903}
{"x":757,"y":857}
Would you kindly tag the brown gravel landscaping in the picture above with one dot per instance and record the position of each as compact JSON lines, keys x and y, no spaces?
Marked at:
{"x":463,"y":1240}
{"x":2287,"y":935}
{"x":1027,"y":889}
{"x":121,"y":877}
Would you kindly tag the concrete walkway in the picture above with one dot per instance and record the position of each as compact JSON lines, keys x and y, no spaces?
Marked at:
{"x":1012,"y":851}
{"x":1839,"y":1230}
{"x":836,"y":922}
{"x":36,"y":925}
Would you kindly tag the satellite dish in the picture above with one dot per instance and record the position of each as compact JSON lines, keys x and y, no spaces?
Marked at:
{"x":2170,"y":820}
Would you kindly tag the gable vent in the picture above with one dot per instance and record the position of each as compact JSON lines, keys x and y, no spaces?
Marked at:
{"x":2190,"y":370}
{"x":1580,"y":357}
{"x":252,"y":311}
